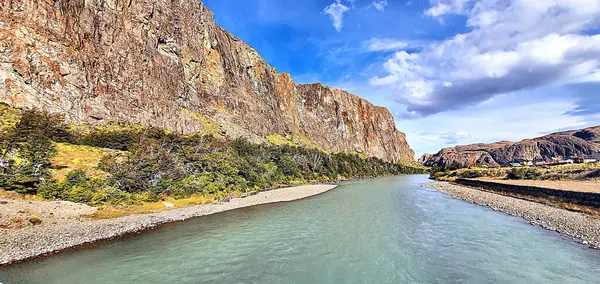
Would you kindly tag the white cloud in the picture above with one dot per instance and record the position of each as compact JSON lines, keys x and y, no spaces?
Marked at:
{"x":536,"y":114}
{"x":380,"y":5}
{"x":336,"y":13}
{"x":512,"y":45}
{"x":384,"y":44}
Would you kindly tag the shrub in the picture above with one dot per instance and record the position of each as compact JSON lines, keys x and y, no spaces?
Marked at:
{"x":51,"y":190}
{"x":524,"y":173}
{"x":471,"y":174}
{"x":113,"y":196}
{"x":78,"y":194}
{"x":34,"y":220}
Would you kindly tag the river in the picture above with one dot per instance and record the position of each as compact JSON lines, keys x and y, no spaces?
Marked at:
{"x":386,"y":230}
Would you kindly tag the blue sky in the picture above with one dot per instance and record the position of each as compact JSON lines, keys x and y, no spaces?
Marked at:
{"x":451,"y":71}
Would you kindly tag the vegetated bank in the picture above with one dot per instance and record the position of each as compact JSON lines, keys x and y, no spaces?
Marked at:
{"x":124,"y":169}
{"x":123,"y":164}
{"x":63,"y":233}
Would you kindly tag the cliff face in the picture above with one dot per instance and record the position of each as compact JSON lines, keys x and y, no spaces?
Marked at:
{"x":167,"y":64}
{"x":567,"y":144}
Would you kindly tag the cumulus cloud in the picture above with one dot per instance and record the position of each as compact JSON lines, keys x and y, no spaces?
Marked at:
{"x":336,"y":13}
{"x":380,"y":5}
{"x":512,"y":45}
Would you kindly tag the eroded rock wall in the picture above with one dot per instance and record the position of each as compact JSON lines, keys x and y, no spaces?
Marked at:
{"x":562,"y":145}
{"x":167,"y":64}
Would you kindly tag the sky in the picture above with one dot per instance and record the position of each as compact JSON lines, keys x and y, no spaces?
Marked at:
{"x":452,"y":72}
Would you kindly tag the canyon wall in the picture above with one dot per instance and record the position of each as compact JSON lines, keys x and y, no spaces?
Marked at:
{"x":167,"y":64}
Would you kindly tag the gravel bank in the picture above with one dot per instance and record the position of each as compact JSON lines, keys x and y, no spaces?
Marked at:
{"x":23,"y":243}
{"x":577,"y":226}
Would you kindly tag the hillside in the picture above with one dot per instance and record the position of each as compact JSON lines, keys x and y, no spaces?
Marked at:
{"x":557,"y":145}
{"x":167,"y":64}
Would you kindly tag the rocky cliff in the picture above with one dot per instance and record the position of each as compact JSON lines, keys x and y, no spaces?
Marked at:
{"x":167,"y":64}
{"x":566,"y":144}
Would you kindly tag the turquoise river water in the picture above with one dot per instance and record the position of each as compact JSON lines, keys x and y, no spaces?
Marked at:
{"x":387,"y":230}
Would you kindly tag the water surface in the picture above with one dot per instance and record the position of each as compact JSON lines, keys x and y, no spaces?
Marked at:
{"x":387,"y":230}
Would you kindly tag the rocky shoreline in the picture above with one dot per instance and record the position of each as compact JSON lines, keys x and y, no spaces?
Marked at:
{"x":580,"y":227}
{"x":33,"y":241}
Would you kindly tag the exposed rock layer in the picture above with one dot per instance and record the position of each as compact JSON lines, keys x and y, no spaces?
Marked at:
{"x":167,"y":64}
{"x":562,"y":145}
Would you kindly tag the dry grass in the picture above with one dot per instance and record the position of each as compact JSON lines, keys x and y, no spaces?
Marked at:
{"x":211,"y":127}
{"x":569,"y":185}
{"x":279,"y":140}
{"x":71,"y":157}
{"x":4,"y":194}
{"x":551,"y":202}
{"x":8,"y":117}
{"x":194,"y":200}
{"x":108,"y":212}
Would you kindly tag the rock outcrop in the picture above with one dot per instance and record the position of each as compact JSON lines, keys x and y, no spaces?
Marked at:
{"x":424,"y":158}
{"x":568,"y":144}
{"x":167,"y":64}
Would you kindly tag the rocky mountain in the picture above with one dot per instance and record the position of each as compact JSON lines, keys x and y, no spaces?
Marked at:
{"x":424,"y":158}
{"x":165,"y":63}
{"x":566,"y":144}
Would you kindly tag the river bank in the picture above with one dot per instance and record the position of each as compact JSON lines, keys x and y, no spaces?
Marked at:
{"x":19,"y":244}
{"x":574,"y":225}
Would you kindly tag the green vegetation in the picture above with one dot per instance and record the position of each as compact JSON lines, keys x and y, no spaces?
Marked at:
{"x":524,"y":173}
{"x":119,"y":164}
{"x":559,"y":172}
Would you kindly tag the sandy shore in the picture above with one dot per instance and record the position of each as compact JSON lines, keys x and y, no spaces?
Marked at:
{"x":577,"y":226}
{"x":31,"y":241}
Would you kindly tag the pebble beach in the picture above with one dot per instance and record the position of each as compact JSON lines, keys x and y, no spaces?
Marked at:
{"x":19,"y":244}
{"x":574,"y":225}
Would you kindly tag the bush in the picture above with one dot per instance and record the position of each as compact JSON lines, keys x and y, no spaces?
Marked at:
{"x":34,"y":220}
{"x":471,"y":174}
{"x":78,"y":194}
{"x":51,"y":190}
{"x":113,"y":196}
{"x":524,"y":173}
{"x":156,"y":163}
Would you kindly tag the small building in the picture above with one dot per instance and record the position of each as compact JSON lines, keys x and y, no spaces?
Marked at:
{"x":590,"y":160}
{"x":514,"y":164}
{"x":566,"y":162}
{"x":540,"y":163}
{"x":587,"y":159}
{"x":523,"y":162}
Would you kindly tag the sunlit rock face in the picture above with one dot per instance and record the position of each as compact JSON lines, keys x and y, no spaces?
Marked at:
{"x":561,"y":145}
{"x":167,"y":64}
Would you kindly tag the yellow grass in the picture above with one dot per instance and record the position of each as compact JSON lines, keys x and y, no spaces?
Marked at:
{"x":279,"y":140}
{"x":4,"y":194}
{"x":211,"y":127}
{"x":108,"y":212}
{"x":295,"y":139}
{"x":193,"y":200}
{"x":71,"y":157}
{"x":8,"y":117}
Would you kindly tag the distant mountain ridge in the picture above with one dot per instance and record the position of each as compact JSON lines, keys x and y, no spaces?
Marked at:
{"x":566,"y":144}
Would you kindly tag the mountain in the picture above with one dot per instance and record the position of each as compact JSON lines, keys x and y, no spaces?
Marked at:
{"x":565,"y":144}
{"x":167,"y":64}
